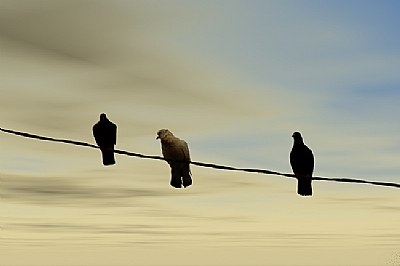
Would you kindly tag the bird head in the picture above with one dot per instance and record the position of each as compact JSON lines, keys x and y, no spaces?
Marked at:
{"x":163,"y":134}
{"x":297,"y":136}
{"x":103,"y":117}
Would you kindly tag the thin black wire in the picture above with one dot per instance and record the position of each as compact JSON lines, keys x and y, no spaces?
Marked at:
{"x":208,"y":165}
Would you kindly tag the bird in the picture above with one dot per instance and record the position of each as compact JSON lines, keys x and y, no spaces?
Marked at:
{"x":302,"y":162}
{"x":176,"y":153}
{"x":105,"y":135}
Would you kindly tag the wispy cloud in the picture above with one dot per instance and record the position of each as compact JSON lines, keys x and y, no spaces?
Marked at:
{"x":51,"y":74}
{"x":69,"y":191}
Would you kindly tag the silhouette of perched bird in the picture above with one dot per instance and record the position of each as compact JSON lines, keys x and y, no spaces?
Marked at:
{"x":302,"y":162}
{"x":105,"y":134}
{"x":176,"y":152}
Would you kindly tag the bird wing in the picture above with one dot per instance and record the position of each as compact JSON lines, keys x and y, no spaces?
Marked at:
{"x":186,"y":156}
{"x":185,"y":150}
{"x":97,"y":134}
{"x":309,"y":160}
{"x":113,"y":133}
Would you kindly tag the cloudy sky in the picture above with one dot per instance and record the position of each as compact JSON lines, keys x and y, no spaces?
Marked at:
{"x":232,"y":78}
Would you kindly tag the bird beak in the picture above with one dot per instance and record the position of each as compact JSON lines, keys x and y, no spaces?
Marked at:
{"x":158,"y":137}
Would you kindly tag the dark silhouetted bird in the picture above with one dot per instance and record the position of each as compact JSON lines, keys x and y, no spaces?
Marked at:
{"x":176,"y":152}
{"x":302,"y":162}
{"x":105,"y":134}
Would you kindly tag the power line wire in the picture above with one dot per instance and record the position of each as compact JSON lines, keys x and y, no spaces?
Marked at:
{"x":201,"y":164}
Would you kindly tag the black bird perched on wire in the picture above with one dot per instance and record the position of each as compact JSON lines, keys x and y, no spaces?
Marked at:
{"x":302,"y":162}
{"x":105,"y":134}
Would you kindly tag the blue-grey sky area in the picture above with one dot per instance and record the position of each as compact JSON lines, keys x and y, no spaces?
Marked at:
{"x":234,"y":79}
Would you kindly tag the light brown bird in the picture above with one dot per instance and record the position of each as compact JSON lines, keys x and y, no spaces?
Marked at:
{"x":176,"y":152}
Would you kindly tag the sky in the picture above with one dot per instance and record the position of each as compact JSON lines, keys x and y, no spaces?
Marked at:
{"x":234,"y":79}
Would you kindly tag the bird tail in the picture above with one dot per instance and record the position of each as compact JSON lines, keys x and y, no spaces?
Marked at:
{"x":180,"y":175}
{"x":108,"y":155}
{"x":176,"y":180}
{"x":304,"y":187}
{"x":186,"y":176}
